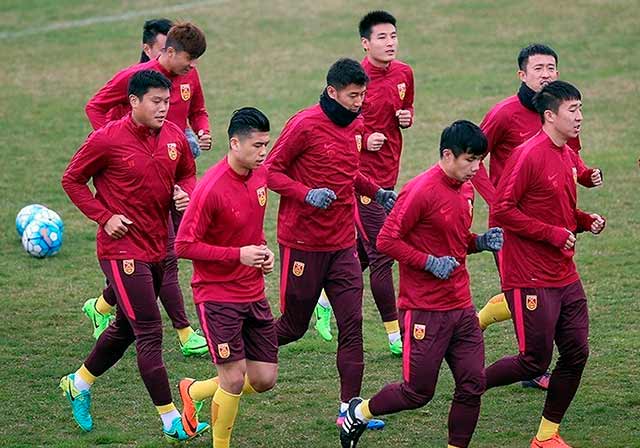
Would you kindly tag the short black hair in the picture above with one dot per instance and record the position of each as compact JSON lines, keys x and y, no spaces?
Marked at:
{"x":150,"y":31}
{"x":554,"y":94}
{"x":346,"y":71}
{"x":532,"y":50}
{"x":463,"y":137}
{"x":246,"y":120}
{"x":142,"y":81}
{"x":372,"y":19}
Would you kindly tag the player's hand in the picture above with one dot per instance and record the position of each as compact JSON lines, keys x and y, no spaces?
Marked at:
{"x":386,"y":198}
{"x":596,"y":177}
{"x":269,"y":262}
{"x":116,"y":227}
{"x":253,"y":256}
{"x":375,"y":141}
{"x":204,"y":140}
{"x":598,"y":224}
{"x":320,"y":197}
{"x":180,"y":198}
{"x":492,"y":240}
{"x":441,"y":267}
{"x":571,"y":240}
{"x":404,"y":118}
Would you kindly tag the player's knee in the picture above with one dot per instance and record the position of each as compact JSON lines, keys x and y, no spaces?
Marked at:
{"x":416,"y":398}
{"x":580,"y":355}
{"x":233,"y":382}
{"x":536,"y":364}
{"x":264,"y":383}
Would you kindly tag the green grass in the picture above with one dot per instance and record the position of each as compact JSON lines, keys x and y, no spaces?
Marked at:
{"x":274,"y":55}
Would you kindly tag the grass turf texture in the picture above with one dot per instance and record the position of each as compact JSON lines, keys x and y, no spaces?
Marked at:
{"x":275,"y":58}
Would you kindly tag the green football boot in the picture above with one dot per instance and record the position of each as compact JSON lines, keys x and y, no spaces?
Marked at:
{"x":195,"y":345}
{"x":80,"y":402}
{"x":323,"y":322}
{"x":396,"y":348}
{"x":99,"y":321}
{"x":177,"y":432}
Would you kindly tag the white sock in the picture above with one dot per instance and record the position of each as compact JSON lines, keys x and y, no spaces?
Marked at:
{"x":323,"y":301}
{"x":168,"y":418}
{"x":359,"y":415}
{"x":343,"y":407}
{"x":80,"y":384}
{"x":393,"y":337}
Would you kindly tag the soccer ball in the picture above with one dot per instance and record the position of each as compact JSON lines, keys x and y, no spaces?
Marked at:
{"x":42,"y":238}
{"x":49,"y":215}
{"x":25,"y":216}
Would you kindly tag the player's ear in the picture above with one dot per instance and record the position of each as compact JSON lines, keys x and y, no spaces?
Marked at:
{"x":549,"y":116}
{"x":332,"y":92}
{"x":234,"y":143}
{"x":365,"y":44}
{"x":134,"y":100}
{"x":521,"y":75}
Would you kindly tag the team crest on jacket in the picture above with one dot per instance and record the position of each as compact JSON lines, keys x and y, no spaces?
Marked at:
{"x":532,"y":302}
{"x":298,"y":268}
{"x":359,"y":142}
{"x":185,"y":91}
{"x":172,"y":149}
{"x":366,"y":200}
{"x":128,"y":266}
{"x":223,"y":350}
{"x":575,"y":174}
{"x":470,"y":207}
{"x":419,"y":331}
{"x":262,"y":196}
{"x":402,"y":90}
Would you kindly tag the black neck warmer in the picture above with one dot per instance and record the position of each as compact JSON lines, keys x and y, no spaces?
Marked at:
{"x":336,"y":113}
{"x":525,"y":95}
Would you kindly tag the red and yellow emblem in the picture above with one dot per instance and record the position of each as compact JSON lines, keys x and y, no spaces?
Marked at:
{"x":402,"y":90}
{"x":575,"y":174}
{"x":359,"y":142}
{"x":470,"y":208}
{"x":172,"y":149}
{"x":262,"y":196}
{"x":185,"y":92}
{"x":128,"y":266}
{"x":366,"y":200}
{"x":298,"y":268}
{"x":223,"y":350}
{"x":532,"y":302}
{"x":419,"y":331}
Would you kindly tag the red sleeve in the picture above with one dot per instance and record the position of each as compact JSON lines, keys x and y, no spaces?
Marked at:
{"x":198,"y":216}
{"x":90,"y":159}
{"x":584,"y":221}
{"x":290,"y":145}
{"x":198,"y":116}
{"x":186,"y":169}
{"x":493,"y":128}
{"x":404,"y":216}
{"x":365,"y":186}
{"x":583,"y":171}
{"x":483,"y":184}
{"x":113,"y":93}
{"x":407,"y":102}
{"x":517,"y":177}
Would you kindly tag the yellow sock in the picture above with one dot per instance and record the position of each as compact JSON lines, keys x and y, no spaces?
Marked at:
{"x":365,"y":410}
{"x":248,"y":389}
{"x":184,"y":333}
{"x":392,"y":327}
{"x":87,"y":376}
{"x":102,"y":306}
{"x":496,"y":310}
{"x":201,"y":390}
{"x":224,"y":409}
{"x":547,"y":429}
{"x":452,"y":446}
{"x":166,"y":408}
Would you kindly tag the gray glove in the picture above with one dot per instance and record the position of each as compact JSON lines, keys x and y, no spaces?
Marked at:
{"x":441,"y":267}
{"x":320,"y":197}
{"x":386,"y":198}
{"x":193,"y":142}
{"x":491,"y":240}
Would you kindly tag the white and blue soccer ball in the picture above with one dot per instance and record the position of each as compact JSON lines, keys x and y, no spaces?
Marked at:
{"x":42,"y":238}
{"x":49,"y":215}
{"x":26,"y":215}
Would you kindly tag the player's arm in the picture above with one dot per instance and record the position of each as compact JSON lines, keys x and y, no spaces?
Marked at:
{"x":90,"y":159}
{"x":406,"y":119}
{"x":112,"y":94}
{"x":492,"y":127}
{"x":589,"y":222}
{"x":185,"y":179}
{"x":199,"y":117}
{"x":587,"y":177}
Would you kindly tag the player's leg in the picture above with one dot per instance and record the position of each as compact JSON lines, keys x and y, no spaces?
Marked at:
{"x":465,"y":357}
{"x":572,"y":334}
{"x":261,"y":348}
{"x":301,"y":278}
{"x":496,"y":309}
{"x":323,"y":314}
{"x":191,"y":342}
{"x":99,"y":310}
{"x":426,"y":338}
{"x":371,"y":220}
{"x":534,"y":320}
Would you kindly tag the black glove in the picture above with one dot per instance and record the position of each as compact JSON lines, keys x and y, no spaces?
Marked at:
{"x":386,"y":198}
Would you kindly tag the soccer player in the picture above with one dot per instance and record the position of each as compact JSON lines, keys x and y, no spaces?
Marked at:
{"x":184,"y":44}
{"x":222,"y":232}
{"x":139,"y":165}
{"x":536,"y":206}
{"x":314,"y":166}
{"x":428,"y":232}
{"x":154,"y":38}
{"x":387,"y":109}
{"x":508,"y":124}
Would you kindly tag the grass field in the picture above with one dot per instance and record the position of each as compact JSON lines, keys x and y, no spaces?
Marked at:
{"x":274,"y":55}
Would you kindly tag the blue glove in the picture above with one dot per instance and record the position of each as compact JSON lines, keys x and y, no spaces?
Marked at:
{"x":320,"y":197}
{"x":386,"y":198}
{"x":491,"y":240}
{"x":441,"y":267}
{"x":193,"y":142}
